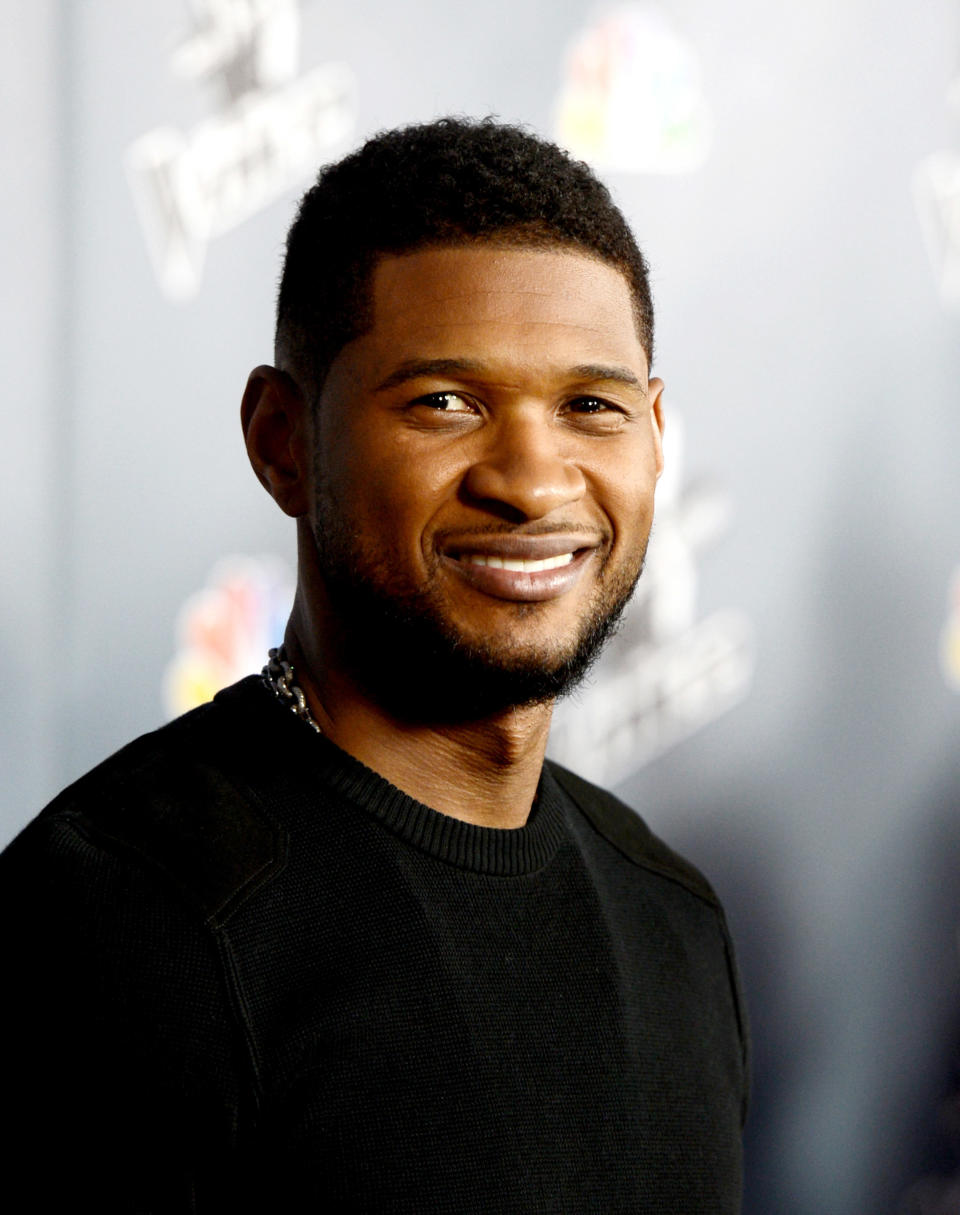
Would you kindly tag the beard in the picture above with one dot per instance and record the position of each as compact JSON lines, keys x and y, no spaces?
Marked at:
{"x":411,"y":659}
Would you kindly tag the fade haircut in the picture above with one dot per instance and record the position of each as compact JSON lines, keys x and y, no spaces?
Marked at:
{"x":449,"y":182}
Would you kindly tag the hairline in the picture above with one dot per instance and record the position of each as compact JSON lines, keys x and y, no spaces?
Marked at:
{"x":515,"y":237}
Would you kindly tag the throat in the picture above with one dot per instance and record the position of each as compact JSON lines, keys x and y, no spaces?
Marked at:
{"x":486,"y":773}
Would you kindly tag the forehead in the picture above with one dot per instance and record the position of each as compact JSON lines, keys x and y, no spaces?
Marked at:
{"x":465,"y":298}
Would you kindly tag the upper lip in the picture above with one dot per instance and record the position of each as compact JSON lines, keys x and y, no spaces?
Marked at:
{"x":517,"y":546}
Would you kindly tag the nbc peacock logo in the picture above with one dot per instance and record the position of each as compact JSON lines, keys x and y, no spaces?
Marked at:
{"x":225,"y":629}
{"x":632,"y":100}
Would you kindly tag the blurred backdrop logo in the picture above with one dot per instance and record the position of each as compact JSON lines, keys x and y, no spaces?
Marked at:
{"x":936,"y":193}
{"x":225,"y":629}
{"x":666,"y":674}
{"x":950,"y":637}
{"x":273,"y":129}
{"x":631,"y":100}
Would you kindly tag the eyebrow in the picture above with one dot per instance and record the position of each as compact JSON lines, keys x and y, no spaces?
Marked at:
{"x":601,"y":371}
{"x":412,"y":369}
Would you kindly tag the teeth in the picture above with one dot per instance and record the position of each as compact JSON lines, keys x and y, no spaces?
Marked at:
{"x":517,"y":564}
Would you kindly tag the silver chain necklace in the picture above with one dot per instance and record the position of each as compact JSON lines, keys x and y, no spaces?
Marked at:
{"x":279,"y":678}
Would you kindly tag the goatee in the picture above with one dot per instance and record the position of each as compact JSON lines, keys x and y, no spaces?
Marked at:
{"x":411,"y":660}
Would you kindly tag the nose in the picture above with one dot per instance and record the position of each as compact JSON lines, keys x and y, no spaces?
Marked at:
{"x":525,"y":470}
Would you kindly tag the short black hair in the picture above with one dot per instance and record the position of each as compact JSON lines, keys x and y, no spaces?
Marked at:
{"x":450,"y":182}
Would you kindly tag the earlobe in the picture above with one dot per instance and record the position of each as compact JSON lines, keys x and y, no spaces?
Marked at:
{"x":655,"y":396}
{"x":275,"y":421}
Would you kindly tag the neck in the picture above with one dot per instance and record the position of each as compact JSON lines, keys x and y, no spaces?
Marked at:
{"x":484,"y":772}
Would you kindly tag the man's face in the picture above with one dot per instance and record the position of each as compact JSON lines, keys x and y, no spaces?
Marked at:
{"x":486,"y":457}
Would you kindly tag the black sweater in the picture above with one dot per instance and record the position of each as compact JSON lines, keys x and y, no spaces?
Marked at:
{"x":245,"y":972}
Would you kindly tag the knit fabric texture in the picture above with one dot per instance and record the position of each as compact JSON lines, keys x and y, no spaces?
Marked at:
{"x":247,"y":973}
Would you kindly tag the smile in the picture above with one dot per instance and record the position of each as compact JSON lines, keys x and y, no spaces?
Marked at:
{"x":522,"y":577}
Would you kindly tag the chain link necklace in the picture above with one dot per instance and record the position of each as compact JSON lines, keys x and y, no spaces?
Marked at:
{"x":279,"y":677}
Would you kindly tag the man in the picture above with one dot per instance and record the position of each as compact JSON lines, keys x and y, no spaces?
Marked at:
{"x":375,"y":954}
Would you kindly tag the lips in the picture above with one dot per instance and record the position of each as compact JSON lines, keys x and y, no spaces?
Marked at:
{"x":521,"y":568}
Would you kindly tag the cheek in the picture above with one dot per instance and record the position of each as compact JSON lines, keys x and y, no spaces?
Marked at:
{"x":406,"y":483}
{"x":397,"y":494}
{"x":625,"y":491}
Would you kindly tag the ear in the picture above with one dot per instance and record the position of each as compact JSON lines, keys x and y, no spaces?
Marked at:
{"x":277,"y":432}
{"x":655,"y":396}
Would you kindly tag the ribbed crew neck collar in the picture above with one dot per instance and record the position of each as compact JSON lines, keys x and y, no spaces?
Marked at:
{"x":310,"y":760}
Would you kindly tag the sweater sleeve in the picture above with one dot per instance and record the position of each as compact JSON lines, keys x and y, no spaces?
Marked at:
{"x":123,"y":1071}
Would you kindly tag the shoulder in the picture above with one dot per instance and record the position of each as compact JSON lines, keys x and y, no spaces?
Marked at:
{"x":169,"y":802}
{"x":626,"y":831}
{"x":126,"y":1011}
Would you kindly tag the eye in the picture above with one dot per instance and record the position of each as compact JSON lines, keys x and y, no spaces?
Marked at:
{"x":595,"y":413}
{"x":446,"y":402}
{"x":589,"y":405}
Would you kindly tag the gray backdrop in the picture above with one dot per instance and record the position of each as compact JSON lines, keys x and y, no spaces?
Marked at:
{"x":815,"y":369}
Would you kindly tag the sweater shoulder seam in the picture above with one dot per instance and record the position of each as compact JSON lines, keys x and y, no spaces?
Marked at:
{"x":626,"y":831}
{"x":172,"y":806}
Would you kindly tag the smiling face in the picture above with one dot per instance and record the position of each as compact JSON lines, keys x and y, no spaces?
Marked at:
{"x":486,"y":456}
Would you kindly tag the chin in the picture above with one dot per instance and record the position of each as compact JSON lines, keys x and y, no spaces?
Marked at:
{"x":431,"y":674}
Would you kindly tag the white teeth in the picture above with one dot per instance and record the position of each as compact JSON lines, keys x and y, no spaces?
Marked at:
{"x":518,"y":564}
